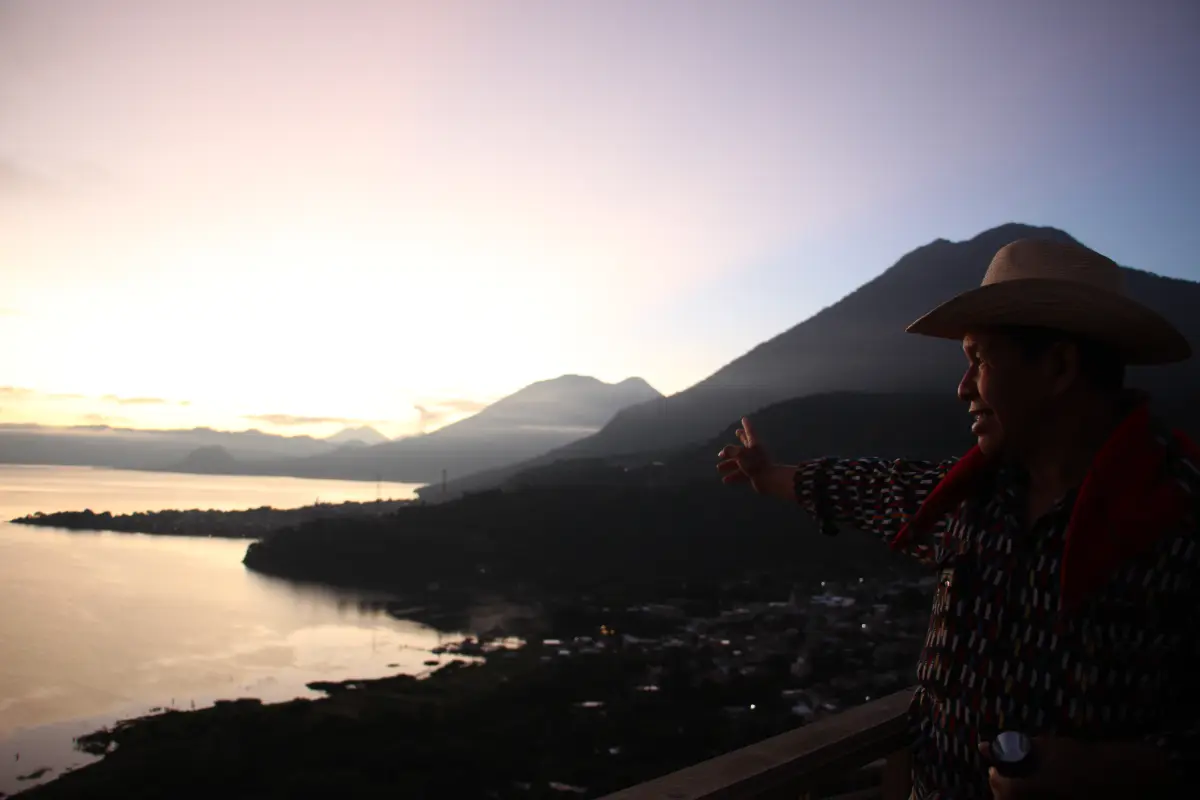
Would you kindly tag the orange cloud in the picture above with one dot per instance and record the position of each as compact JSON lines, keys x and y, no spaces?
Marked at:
{"x":291,"y":420}
{"x":103,"y":419}
{"x":135,"y":401}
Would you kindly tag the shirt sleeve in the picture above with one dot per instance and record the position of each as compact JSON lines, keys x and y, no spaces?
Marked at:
{"x":875,"y":495}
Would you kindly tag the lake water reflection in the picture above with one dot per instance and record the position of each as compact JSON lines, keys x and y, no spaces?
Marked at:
{"x":100,"y":626}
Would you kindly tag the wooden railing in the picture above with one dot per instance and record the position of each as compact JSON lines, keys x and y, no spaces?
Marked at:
{"x":858,"y":753}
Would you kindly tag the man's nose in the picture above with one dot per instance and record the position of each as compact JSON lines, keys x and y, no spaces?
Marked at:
{"x":966,"y":387}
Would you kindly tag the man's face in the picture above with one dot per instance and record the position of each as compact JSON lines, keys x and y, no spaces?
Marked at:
{"x":1007,"y":394}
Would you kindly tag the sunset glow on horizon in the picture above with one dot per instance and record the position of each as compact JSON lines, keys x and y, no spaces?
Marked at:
{"x":302,"y":216}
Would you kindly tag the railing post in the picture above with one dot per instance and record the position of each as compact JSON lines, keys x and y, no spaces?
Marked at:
{"x":814,"y":761}
{"x":897,"y":775}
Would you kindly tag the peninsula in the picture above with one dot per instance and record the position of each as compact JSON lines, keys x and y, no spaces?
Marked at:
{"x":250,"y":524}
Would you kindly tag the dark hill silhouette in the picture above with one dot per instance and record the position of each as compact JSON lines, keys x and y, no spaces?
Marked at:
{"x":621,"y":539}
{"x":857,"y":345}
{"x":840,"y":424}
{"x":848,"y":424}
{"x":209,"y":460}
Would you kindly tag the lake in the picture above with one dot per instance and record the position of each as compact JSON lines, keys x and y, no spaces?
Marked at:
{"x":100,"y":626}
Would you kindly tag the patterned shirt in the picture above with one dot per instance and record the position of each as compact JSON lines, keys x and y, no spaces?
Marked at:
{"x":1083,"y":624}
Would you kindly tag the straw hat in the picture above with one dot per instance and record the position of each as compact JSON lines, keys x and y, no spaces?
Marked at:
{"x":1066,"y":287}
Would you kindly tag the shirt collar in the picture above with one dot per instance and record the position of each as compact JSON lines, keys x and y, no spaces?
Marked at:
{"x":1124,"y":506}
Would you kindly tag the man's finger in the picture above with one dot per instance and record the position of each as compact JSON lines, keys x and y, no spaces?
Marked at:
{"x":750,"y":437}
{"x":1002,"y":788}
{"x":730,"y":451}
{"x":735,"y":477}
{"x":728,"y":466}
{"x":1011,"y":788}
{"x":995,"y":781}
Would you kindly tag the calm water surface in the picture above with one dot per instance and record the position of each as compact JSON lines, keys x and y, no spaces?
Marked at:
{"x":100,"y":626}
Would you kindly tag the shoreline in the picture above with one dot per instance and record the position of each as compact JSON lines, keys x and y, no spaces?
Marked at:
{"x":601,"y":698}
{"x":43,"y":752}
{"x":253,"y":523}
{"x":248,"y":472}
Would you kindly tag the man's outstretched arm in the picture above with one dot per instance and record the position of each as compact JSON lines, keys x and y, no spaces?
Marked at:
{"x":872,"y":494}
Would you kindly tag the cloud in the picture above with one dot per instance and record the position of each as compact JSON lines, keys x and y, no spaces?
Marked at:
{"x":293,"y":421}
{"x":9,"y":312}
{"x":463,"y":406}
{"x":102,"y":419}
{"x":434,"y":414}
{"x":22,"y":393}
{"x":135,"y":401}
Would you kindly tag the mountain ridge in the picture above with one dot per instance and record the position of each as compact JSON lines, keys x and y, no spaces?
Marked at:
{"x":857,"y":344}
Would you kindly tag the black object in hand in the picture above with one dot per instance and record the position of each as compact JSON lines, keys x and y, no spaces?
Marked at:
{"x":1012,"y":754}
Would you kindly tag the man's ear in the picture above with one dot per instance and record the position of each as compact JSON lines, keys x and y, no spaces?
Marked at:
{"x":1062,"y":365}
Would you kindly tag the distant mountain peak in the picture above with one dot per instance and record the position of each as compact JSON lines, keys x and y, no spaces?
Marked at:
{"x":1011,"y":231}
{"x":211,"y":459}
{"x":570,"y":379}
{"x":989,"y":240}
{"x":363,"y":434}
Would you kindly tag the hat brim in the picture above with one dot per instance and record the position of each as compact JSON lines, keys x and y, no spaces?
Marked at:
{"x":1140,"y":335}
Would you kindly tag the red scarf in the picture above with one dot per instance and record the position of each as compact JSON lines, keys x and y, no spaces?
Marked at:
{"x":1125,"y":505}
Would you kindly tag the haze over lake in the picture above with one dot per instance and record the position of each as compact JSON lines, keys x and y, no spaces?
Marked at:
{"x":96,"y":626}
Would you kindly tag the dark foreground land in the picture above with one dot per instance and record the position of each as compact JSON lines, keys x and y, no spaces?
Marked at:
{"x":632,"y":543}
{"x":250,"y":524}
{"x":653,"y":690}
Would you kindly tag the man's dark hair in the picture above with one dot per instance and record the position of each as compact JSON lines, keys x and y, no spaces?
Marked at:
{"x":1100,"y":364}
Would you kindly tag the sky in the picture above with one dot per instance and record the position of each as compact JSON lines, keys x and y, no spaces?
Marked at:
{"x":296,"y":215}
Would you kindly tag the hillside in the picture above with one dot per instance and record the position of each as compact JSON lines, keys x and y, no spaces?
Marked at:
{"x":620,"y":539}
{"x":840,"y":424}
{"x":856,"y":345}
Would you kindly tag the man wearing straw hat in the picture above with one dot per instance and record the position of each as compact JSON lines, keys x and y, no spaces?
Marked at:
{"x":1066,"y":619}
